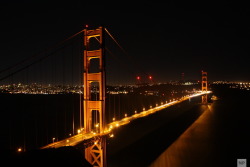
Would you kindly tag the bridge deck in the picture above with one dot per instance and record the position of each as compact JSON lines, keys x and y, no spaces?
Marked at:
{"x":76,"y":139}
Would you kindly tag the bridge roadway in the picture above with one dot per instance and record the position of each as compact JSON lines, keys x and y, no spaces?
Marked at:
{"x":76,"y":139}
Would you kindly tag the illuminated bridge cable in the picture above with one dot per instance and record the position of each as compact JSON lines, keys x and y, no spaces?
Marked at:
{"x":80,"y":66}
{"x":113,"y":55}
{"x":27,"y":66}
{"x":107,"y":49}
{"x":35,"y":56}
{"x":121,"y":63}
{"x":123,"y":50}
{"x":133,"y":62}
{"x":116,"y":42}
{"x":119,"y":105}
{"x":72,"y":97}
{"x":132,"y":65}
{"x":44,"y":51}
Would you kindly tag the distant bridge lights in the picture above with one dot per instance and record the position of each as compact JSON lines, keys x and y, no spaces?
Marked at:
{"x":111,"y":135}
{"x":19,"y":149}
{"x":80,"y":130}
{"x":110,"y":127}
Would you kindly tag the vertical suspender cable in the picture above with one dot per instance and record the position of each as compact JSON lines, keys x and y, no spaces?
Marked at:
{"x":24,"y":138}
{"x":81,"y":88}
{"x":97,"y":112}
{"x":73,"y":110}
{"x":10,"y":133}
{"x":114,"y":107}
{"x":119,"y":105}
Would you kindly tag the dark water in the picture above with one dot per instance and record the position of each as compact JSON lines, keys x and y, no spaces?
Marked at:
{"x":141,"y":141}
{"x":187,"y":134}
{"x":31,"y":121}
{"x":190,"y":134}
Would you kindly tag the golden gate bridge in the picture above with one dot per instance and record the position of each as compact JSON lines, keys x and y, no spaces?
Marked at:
{"x":92,"y":134}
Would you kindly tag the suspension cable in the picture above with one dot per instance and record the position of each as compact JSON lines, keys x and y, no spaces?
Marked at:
{"x":115,"y":57}
{"x":36,"y":55}
{"x":116,"y":42}
{"x":123,"y":50}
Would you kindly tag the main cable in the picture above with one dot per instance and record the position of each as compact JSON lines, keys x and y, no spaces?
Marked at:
{"x":123,"y":50}
{"x":36,"y":55}
{"x":116,"y":42}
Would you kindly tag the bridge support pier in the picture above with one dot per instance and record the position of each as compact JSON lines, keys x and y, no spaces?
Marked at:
{"x":96,"y":154}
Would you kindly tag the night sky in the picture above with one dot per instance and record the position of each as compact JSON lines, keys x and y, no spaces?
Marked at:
{"x":161,"y":39}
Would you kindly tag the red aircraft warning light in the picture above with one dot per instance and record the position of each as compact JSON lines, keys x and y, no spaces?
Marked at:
{"x":138,"y":77}
{"x":150,"y":77}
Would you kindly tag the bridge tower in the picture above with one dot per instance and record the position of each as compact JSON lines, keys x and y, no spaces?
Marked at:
{"x":94,"y":106}
{"x":204,"y":86}
{"x":204,"y":81}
